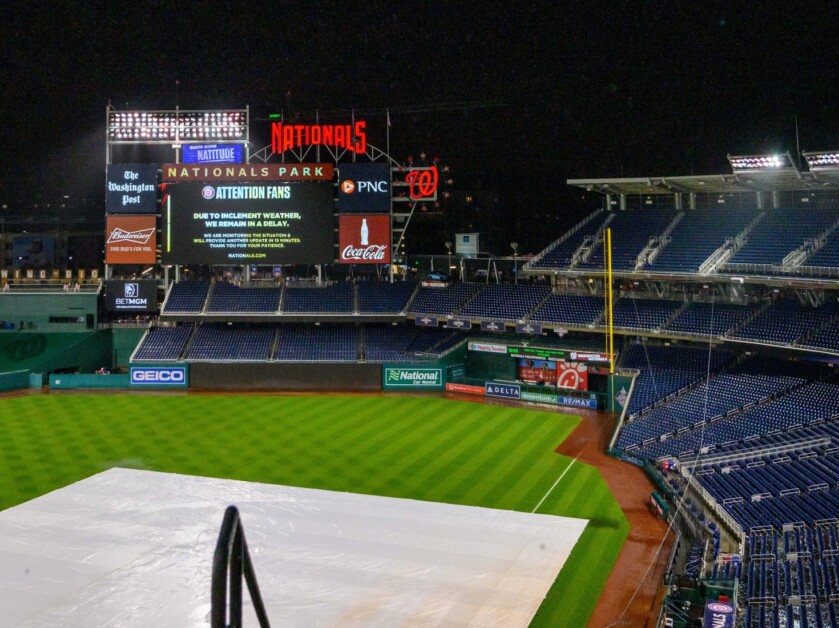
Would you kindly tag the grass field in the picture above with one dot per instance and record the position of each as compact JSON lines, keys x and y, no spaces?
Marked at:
{"x":400,"y":446}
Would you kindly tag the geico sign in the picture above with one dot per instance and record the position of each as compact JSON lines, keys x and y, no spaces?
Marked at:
{"x":158,"y":376}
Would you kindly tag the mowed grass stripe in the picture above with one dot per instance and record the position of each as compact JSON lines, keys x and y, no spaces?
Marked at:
{"x":413,"y":447}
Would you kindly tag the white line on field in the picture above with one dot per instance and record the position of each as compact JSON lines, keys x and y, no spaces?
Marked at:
{"x":555,"y":483}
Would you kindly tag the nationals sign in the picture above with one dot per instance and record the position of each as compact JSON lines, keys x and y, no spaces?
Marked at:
{"x":572,"y":375}
{"x":364,"y":239}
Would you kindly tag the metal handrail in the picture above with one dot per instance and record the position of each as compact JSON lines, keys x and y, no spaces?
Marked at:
{"x":231,"y":562}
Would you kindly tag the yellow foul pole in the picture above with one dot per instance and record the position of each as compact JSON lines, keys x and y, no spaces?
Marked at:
{"x":610,"y":346}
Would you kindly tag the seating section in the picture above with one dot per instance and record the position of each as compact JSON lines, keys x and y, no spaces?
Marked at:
{"x":570,"y":310}
{"x":433,"y":342}
{"x":299,"y":343}
{"x":218,"y":341}
{"x":187,"y":296}
{"x":335,"y":298}
{"x":644,"y":314}
{"x":790,"y":577}
{"x":696,"y":237}
{"x":665,"y":371}
{"x":719,"y":396}
{"x":561,"y":254}
{"x":226,"y":297}
{"x":631,"y":232}
{"x":164,"y":343}
{"x":505,"y":302}
{"x":780,"y":232}
{"x":714,"y":319}
{"x":827,"y":255}
{"x":785,"y":321}
{"x":443,"y":301}
{"x":390,"y":343}
{"x":825,"y":338}
{"x":380,"y":297}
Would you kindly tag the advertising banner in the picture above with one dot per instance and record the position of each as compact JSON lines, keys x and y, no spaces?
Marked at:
{"x":426,"y":321}
{"x":496,"y":327}
{"x":364,"y":239}
{"x":173,"y":173}
{"x":486,"y":347}
{"x":130,"y":239}
{"x":459,"y":323}
{"x":412,"y":378}
{"x":508,"y":391}
{"x":529,"y":328}
{"x":718,"y":614}
{"x":131,"y":296}
{"x":537,"y":371}
{"x":572,"y":375}
{"x":577,"y":402}
{"x":363,"y":187}
{"x":212,"y":154}
{"x":465,"y":388}
{"x":538,"y":397}
{"x":35,"y":251}
{"x":160,"y":376}
{"x":248,"y":223}
{"x":467,"y":244}
{"x":131,"y":189}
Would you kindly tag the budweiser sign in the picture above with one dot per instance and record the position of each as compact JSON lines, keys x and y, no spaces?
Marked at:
{"x":364,"y":238}
{"x":131,"y":239}
{"x":141,"y":236}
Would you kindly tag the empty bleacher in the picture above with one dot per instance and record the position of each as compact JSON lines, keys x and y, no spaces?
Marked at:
{"x":226,"y":297}
{"x":221,"y":342}
{"x":505,"y":302}
{"x":381,"y":297}
{"x":186,"y":297}
{"x":163,"y":343}
{"x":696,"y":237}
{"x":568,"y":309}
{"x":443,"y":301}
{"x":329,"y":299}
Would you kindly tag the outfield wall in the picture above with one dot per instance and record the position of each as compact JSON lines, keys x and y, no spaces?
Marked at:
{"x":283,"y":376}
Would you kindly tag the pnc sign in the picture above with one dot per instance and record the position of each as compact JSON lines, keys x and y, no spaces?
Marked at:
{"x":351,"y":137}
{"x":363,"y":187}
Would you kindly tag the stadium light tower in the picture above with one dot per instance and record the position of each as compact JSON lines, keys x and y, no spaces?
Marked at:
{"x":515,"y":247}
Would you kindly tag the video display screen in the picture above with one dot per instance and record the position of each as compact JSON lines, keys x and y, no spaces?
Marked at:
{"x":248,"y":223}
{"x":138,"y":295}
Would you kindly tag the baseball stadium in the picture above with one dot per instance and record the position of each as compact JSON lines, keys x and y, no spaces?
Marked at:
{"x":256,"y":410}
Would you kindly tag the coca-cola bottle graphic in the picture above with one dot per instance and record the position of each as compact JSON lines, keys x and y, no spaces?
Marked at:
{"x":364,"y":232}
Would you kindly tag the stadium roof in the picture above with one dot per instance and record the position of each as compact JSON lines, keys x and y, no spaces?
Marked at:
{"x":786,"y":180}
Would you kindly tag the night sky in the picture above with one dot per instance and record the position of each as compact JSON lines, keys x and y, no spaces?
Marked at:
{"x":555,"y":92}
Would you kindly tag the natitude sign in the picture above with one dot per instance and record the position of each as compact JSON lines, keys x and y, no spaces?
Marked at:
{"x":364,"y":239}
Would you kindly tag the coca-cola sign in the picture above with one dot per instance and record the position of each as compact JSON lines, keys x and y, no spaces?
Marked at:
{"x":364,"y":239}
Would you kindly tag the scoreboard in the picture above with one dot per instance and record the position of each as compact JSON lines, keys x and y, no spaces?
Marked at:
{"x":272,"y":222}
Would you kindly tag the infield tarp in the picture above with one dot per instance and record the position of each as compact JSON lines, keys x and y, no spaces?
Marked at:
{"x":135,"y":548}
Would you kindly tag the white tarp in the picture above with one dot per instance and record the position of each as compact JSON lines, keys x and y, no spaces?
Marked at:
{"x":135,"y":548}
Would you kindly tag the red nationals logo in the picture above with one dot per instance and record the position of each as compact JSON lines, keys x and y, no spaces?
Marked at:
{"x":422,"y":183}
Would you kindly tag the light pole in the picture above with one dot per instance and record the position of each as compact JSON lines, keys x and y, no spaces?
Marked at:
{"x":449,"y":251}
{"x":515,"y":247}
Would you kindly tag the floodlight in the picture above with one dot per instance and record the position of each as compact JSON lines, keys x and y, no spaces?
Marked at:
{"x":751,"y":163}
{"x":822,"y":160}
